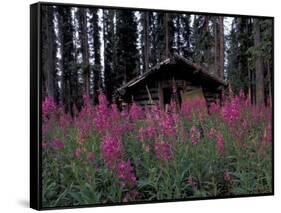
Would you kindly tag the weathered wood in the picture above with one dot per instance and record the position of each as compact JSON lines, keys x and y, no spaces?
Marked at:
{"x":169,"y":83}
{"x":142,"y":90}
{"x":146,"y":97}
{"x":150,"y":87}
{"x":144,"y":103}
{"x":149,"y":95}
{"x":196,"y":93}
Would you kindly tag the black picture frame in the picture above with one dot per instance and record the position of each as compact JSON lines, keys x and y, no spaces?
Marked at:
{"x":36,"y":104}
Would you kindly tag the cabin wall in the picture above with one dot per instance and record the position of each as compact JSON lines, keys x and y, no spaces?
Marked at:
{"x":213,"y":95}
{"x":145,"y":94}
{"x":149,"y":93}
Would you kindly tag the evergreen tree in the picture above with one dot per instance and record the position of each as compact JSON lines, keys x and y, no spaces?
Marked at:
{"x":165,"y":30}
{"x":239,"y":58}
{"x":126,"y":46}
{"x":260,"y":99}
{"x":186,"y":36}
{"x":109,"y":52}
{"x":95,"y":68}
{"x":233,"y":57}
{"x":50,"y":87}
{"x":160,"y":37}
{"x":145,"y":40}
{"x":154,"y":38}
{"x":202,"y":41}
{"x":83,"y":21}
{"x":68,"y":60}
{"x":267,"y":55}
{"x":218,"y":29}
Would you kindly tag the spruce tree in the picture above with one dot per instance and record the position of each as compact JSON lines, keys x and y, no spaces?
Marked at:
{"x":202,"y":41}
{"x":49,"y":47}
{"x":95,"y":68}
{"x":109,"y":53}
{"x":68,"y":60}
{"x":186,"y":36}
{"x":126,"y":46}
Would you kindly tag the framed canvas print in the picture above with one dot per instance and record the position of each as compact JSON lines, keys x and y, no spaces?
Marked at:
{"x":133,"y":105}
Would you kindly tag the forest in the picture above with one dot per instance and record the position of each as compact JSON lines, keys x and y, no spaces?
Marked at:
{"x":94,"y":153}
{"x":89,"y":49}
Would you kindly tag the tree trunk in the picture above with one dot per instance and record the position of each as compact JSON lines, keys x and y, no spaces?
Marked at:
{"x":178,"y":30}
{"x":97,"y":78}
{"x":85,"y":51}
{"x":216,"y":49}
{"x":258,"y":65}
{"x":166,"y":35}
{"x":50,"y":61}
{"x":48,"y":53}
{"x":221,"y":42}
{"x":146,"y":40}
{"x":219,"y":46}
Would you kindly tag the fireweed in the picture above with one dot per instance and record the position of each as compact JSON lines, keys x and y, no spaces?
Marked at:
{"x":111,"y":150}
{"x":125,"y":173}
{"x":163,"y":151}
{"x":103,"y":155}
{"x":194,"y":135}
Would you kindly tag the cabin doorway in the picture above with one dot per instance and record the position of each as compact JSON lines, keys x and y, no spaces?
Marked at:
{"x":168,"y":96}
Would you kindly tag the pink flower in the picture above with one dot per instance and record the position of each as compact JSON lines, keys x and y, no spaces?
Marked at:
{"x":214,"y":108}
{"x":244,"y":124}
{"x":90,"y":156}
{"x":191,"y":182}
{"x":168,"y":126}
{"x":220,"y":143}
{"x":44,"y":145}
{"x":64,"y":121}
{"x":115,"y":113}
{"x":102,"y":116}
{"x":226,"y":176}
{"x":48,"y":106}
{"x":147,"y":148}
{"x":77,"y":153}
{"x":163,"y":151}
{"x":212,"y":133}
{"x":130,"y":196}
{"x":111,"y":150}
{"x":231,"y":110}
{"x":136,"y":112}
{"x":147,"y":133}
{"x":194,"y":105}
{"x":194,"y":135}
{"x":151,"y":131}
{"x":86,"y":101}
{"x":57,"y":144}
{"x":125,"y":173}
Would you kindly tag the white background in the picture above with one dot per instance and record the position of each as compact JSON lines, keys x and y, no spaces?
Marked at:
{"x":14,"y":105}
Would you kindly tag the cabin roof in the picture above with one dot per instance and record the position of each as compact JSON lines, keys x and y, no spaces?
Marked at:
{"x":175,"y":59}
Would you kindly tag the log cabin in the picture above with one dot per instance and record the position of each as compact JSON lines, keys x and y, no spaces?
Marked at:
{"x":156,"y":85}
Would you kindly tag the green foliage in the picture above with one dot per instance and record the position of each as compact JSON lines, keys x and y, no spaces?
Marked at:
{"x":126,"y":45}
{"x":202,"y":40}
{"x":239,"y":58}
{"x":195,"y":170}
